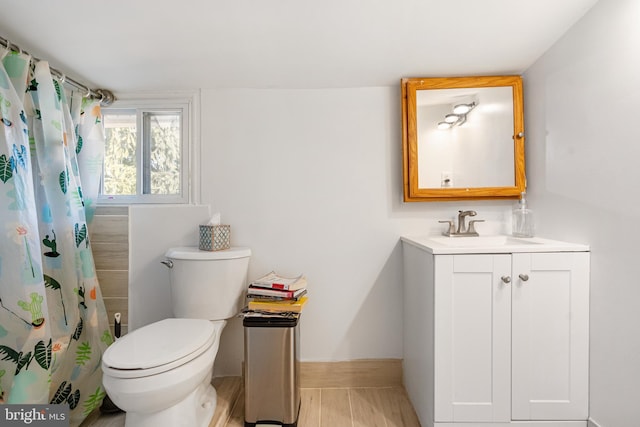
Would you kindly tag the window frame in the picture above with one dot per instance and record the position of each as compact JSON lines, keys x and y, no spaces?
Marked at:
{"x":187,"y":104}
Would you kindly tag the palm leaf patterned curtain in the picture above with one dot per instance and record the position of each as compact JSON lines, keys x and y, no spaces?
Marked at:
{"x":53,"y":323}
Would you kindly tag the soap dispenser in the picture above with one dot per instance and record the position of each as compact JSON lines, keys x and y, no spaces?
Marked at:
{"x":522,"y":225}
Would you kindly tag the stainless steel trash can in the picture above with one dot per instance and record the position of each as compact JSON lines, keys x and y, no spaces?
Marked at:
{"x":271,"y":371}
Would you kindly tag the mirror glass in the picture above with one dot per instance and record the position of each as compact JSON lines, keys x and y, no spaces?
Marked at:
{"x":463,"y":138}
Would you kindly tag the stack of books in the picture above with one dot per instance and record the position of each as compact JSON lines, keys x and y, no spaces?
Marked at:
{"x":273,"y":293}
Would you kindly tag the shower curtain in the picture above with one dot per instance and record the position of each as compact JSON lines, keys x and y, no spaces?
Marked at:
{"x":53,"y":323}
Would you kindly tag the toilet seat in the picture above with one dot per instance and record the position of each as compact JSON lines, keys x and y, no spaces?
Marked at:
{"x":159,"y":347}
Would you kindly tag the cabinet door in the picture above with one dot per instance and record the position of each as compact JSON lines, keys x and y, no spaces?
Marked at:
{"x":550,"y":336}
{"x":472,"y":338}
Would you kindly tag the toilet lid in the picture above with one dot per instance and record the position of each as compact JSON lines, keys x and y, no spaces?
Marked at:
{"x":161,"y":343}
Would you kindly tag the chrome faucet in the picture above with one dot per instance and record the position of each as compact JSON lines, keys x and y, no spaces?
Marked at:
{"x":462,"y":229}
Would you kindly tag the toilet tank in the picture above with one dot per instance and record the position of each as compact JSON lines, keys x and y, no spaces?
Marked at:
{"x":207,"y":284}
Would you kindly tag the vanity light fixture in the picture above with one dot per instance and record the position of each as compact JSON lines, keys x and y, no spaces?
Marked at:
{"x":458,"y":117}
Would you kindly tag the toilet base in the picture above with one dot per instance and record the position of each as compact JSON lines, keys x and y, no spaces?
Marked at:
{"x":196,"y":410}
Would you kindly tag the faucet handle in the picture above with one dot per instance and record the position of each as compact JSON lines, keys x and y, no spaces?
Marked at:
{"x":472,"y":228}
{"x":451,"y":230}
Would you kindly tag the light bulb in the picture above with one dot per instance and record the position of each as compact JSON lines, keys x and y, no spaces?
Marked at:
{"x":463,"y":108}
{"x":451,"y":118}
{"x":444,"y":125}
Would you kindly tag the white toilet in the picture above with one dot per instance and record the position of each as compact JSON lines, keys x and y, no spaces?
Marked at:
{"x":160,"y":374}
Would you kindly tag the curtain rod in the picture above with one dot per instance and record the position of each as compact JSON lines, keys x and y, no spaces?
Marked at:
{"x":105,"y":96}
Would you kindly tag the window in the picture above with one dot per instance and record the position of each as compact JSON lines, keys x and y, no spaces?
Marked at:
{"x":146,"y":151}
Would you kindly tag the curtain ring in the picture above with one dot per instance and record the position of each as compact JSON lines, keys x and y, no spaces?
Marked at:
{"x":8,"y":45}
{"x":62,"y":78}
{"x":88,"y":95}
{"x":101,"y":93}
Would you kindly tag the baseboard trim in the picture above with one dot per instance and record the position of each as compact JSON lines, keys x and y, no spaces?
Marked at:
{"x":352,"y":373}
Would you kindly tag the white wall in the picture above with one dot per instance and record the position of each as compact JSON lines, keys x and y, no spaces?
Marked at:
{"x":153,"y":230}
{"x":584,"y":181}
{"x":311,"y":180}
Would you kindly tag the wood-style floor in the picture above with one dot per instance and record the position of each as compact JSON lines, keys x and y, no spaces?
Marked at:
{"x":320,"y":407}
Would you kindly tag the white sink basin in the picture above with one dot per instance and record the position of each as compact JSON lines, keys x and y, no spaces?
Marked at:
{"x":490,"y":244}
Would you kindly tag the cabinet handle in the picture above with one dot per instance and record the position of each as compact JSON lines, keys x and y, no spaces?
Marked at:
{"x":523,"y":277}
{"x":506,"y":279}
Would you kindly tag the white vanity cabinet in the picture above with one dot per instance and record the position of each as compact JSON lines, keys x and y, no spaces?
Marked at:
{"x":498,"y":334}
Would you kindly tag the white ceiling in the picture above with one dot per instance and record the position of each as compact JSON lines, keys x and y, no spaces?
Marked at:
{"x":133,"y":45}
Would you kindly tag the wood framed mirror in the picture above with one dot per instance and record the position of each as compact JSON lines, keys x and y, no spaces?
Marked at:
{"x":462,"y":138}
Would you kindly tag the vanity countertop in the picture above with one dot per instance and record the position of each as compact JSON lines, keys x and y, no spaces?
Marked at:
{"x":496,"y":244}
